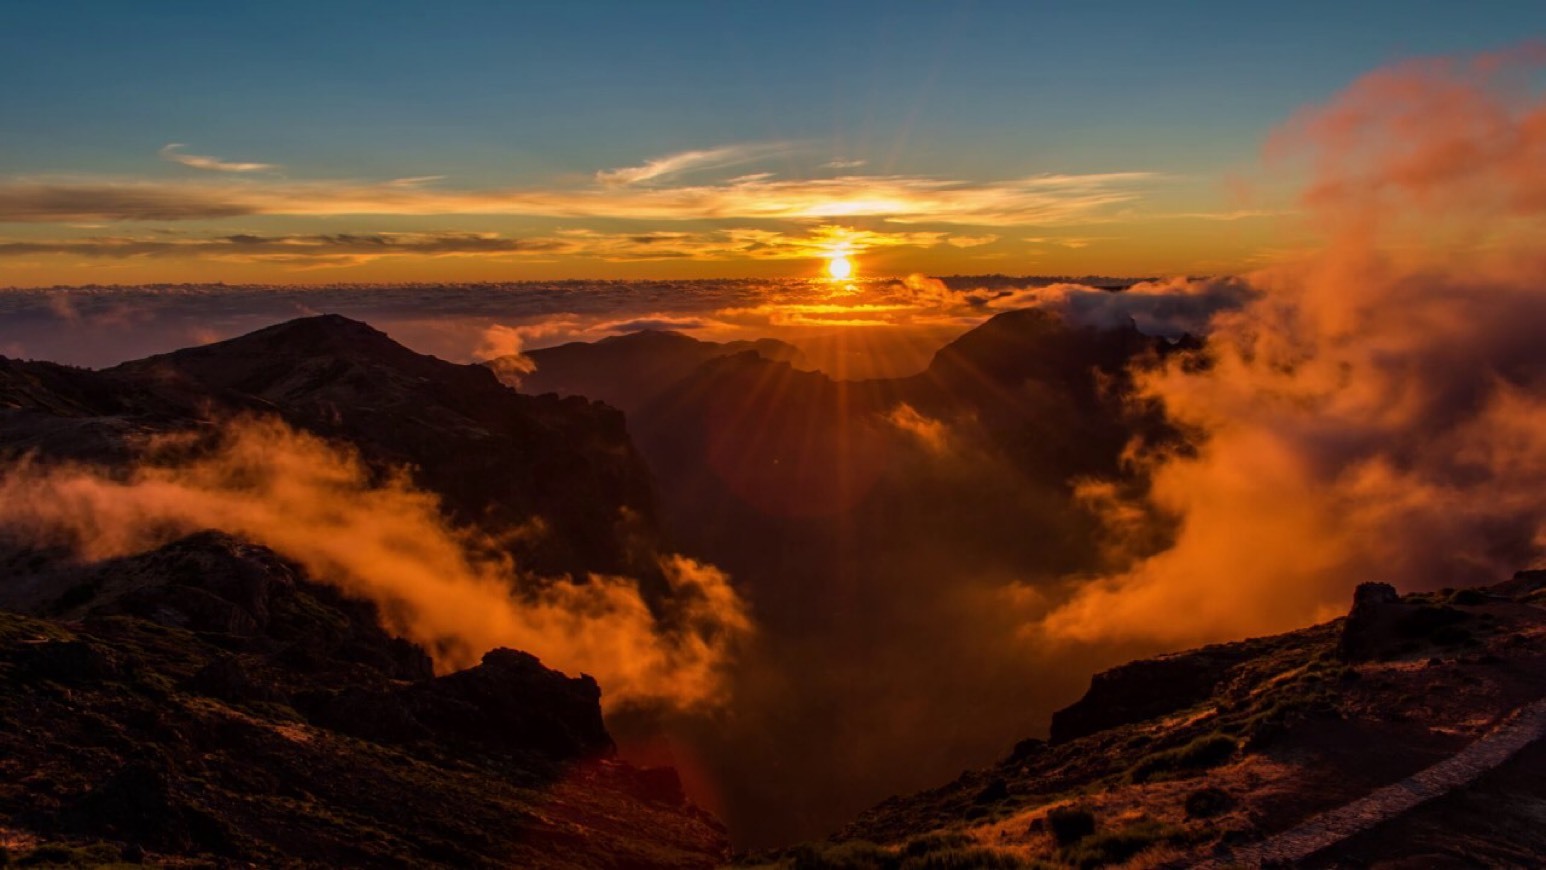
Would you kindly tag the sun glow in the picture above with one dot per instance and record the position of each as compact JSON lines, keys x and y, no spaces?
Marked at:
{"x":840,"y":267}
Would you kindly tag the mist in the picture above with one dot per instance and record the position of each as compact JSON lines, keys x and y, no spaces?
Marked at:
{"x":446,"y":588}
{"x":1376,"y":411}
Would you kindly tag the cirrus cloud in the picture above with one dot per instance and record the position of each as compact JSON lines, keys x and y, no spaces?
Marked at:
{"x":175,"y":154}
{"x":628,"y":193}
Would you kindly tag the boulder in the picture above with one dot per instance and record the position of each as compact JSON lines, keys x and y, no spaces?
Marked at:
{"x":511,"y":701}
{"x":1142,"y":690}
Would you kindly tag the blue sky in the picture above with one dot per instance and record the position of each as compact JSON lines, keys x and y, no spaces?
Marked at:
{"x":545,"y":95}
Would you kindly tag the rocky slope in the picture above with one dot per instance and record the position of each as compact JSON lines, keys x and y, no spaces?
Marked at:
{"x":1404,"y":735}
{"x":206,"y":704}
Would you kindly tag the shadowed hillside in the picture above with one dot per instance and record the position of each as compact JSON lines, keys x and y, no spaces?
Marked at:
{"x":1406,"y":732}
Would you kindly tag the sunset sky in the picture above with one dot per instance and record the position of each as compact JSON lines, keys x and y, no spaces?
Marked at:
{"x":383,"y":141}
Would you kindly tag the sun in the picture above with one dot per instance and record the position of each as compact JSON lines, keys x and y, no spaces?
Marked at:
{"x":840,"y":267}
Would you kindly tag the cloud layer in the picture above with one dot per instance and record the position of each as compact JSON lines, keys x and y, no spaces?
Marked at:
{"x":627,"y":193}
{"x":1378,"y":410}
{"x":436,"y":585}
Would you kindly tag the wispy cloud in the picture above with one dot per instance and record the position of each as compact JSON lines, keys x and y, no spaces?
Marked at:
{"x":415,"y":181}
{"x":1072,"y":242}
{"x":343,"y":249}
{"x":337,"y":249}
{"x":87,"y":201}
{"x":174,"y":153}
{"x":731,"y":244}
{"x":686,"y":161}
{"x":971,"y":241}
{"x":1235,"y":215}
{"x":1039,"y":199}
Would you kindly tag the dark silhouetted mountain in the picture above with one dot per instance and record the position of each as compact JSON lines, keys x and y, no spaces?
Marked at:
{"x":206,"y":702}
{"x":496,"y":459}
{"x":1056,"y":400}
{"x":1405,"y":735}
{"x":628,"y":371}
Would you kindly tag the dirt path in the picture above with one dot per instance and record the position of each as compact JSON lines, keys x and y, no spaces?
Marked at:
{"x":1521,"y":728}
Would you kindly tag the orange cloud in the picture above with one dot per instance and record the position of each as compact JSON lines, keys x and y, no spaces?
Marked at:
{"x":439,"y":586}
{"x":1039,"y":199}
{"x":1378,"y":412}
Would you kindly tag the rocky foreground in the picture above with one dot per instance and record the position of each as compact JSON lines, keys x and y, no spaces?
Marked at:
{"x":204,"y":704}
{"x":1404,"y":735}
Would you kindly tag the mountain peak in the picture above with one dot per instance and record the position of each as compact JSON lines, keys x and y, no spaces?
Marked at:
{"x":321,"y":335}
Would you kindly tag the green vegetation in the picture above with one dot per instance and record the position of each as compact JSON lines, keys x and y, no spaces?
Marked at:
{"x":1205,"y":803}
{"x":14,"y":626}
{"x":1207,"y":751}
{"x":1112,"y":847}
{"x":937,"y":841}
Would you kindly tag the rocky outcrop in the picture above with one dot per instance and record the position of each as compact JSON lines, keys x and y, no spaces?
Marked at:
{"x":211,"y":582}
{"x":1146,"y":689}
{"x":1373,"y":605}
{"x":208,"y":701}
{"x":1383,"y":625}
{"x":508,"y":703}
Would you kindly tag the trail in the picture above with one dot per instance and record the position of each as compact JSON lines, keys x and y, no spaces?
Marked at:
{"x":1521,"y":728}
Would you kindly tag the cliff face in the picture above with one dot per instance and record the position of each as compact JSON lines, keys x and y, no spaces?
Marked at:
{"x":207,"y":699}
{"x":1409,"y":731}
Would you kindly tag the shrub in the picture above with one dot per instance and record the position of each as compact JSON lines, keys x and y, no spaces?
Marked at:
{"x":1205,"y":803}
{"x":938,"y":841}
{"x":1071,"y":824}
{"x":1112,"y":847}
{"x":1204,"y":752}
{"x":994,"y":792}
